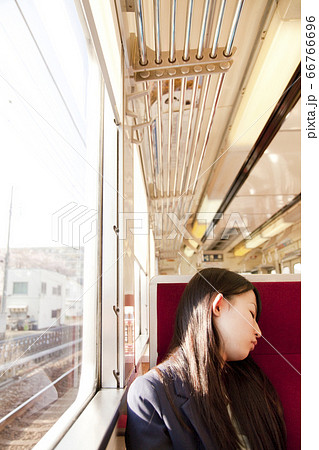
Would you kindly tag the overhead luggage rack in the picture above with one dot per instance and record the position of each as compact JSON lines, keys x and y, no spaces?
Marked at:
{"x":180,"y":60}
{"x":180,"y":68}
{"x":179,"y":81}
{"x":146,"y":57}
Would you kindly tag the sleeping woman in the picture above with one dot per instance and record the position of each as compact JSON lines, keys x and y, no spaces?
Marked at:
{"x":209,"y":393}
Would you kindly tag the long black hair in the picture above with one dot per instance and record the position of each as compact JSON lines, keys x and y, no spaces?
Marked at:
{"x":216,"y":385}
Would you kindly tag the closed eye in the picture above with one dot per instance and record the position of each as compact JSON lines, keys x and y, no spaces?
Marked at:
{"x":252,"y":314}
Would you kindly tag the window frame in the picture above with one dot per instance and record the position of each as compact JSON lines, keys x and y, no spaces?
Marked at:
{"x":89,"y":380}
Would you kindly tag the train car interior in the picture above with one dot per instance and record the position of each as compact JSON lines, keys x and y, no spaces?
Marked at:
{"x":145,"y":140}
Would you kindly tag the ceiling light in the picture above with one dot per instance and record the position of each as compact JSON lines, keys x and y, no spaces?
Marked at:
{"x":210,"y":205}
{"x":191,"y":243}
{"x":275,"y":228}
{"x":282,"y":38}
{"x":188,"y":252}
{"x":255,"y":241}
{"x":205,"y":215}
{"x":241,"y":250}
{"x":198,"y":229}
{"x":273,"y":157}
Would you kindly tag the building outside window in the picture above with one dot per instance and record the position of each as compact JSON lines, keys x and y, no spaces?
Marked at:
{"x":43,"y":288}
{"x":57,"y":290}
{"x":20,"y":287}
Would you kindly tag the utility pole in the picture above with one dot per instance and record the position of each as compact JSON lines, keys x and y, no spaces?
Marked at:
{"x":6,"y":262}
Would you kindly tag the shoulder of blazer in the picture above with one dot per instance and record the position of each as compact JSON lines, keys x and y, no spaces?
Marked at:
{"x":150,"y":389}
{"x":181,"y":394}
{"x":178,"y":387}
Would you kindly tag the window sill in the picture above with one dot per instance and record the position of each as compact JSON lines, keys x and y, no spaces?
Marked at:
{"x":96,"y":424}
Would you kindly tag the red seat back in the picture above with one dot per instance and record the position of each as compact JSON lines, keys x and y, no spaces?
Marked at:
{"x":277,"y":353}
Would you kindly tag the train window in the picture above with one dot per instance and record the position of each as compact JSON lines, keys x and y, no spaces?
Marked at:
{"x":49,"y":201}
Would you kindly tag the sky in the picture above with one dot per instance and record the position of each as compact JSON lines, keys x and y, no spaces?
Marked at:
{"x":43,"y":80}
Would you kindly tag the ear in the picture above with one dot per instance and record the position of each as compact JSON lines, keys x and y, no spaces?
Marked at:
{"x":217,"y":304}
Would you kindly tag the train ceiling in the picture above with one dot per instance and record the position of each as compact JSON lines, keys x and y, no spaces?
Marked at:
{"x":201,"y":90}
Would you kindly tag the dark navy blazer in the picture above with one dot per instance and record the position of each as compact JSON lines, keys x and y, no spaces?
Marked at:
{"x":152,"y":423}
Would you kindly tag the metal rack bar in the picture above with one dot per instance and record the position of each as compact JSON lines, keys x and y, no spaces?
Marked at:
{"x":140,"y":32}
{"x":172,"y":31}
{"x":204,"y":92}
{"x":150,"y":138}
{"x":179,"y":208}
{"x":179,"y":131}
{"x":230,"y":41}
{"x":203,"y":30}
{"x":157,"y":35}
{"x":189,"y":129}
{"x":165,"y":221}
{"x":188,"y":30}
{"x":159,"y":134}
{"x":170,"y":131}
{"x":184,"y":208}
{"x":170,"y":225}
{"x":209,"y":126}
{"x":218,"y":28}
{"x":143,"y":164}
{"x":210,"y":21}
{"x":139,"y":140}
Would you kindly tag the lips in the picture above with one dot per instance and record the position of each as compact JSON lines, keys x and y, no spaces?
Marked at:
{"x":254,"y":344}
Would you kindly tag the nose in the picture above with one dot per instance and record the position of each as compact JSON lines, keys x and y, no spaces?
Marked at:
{"x":258,"y":333}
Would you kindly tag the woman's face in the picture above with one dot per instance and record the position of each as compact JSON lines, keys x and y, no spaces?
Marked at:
{"x":236,"y":324}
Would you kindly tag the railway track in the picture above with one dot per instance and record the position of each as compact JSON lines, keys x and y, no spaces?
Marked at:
{"x":32,"y":402}
{"x":17,"y":353}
